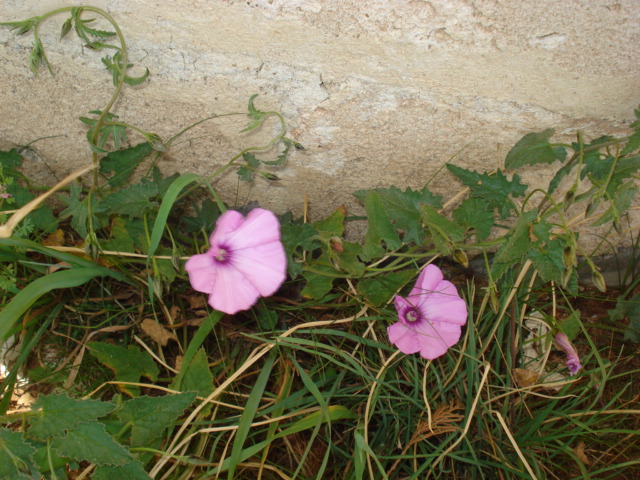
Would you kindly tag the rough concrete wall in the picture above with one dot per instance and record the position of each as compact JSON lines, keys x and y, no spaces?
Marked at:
{"x":380,"y":92}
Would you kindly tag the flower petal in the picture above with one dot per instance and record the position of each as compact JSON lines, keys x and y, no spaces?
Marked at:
{"x":264,"y":266}
{"x":444,"y":305}
{"x":428,"y":280}
{"x":403,"y":338}
{"x":227,"y":223}
{"x":259,"y":227}
{"x":435,"y":339}
{"x":202,"y":272}
{"x":232,"y":291}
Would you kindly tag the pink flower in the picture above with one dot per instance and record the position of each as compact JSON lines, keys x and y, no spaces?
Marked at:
{"x":246,"y":260}
{"x":430,"y":317}
{"x":573,"y":360}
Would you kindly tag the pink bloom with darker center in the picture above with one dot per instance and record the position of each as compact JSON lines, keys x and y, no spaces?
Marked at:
{"x":245,"y":261}
{"x":430,"y":318}
{"x":573,"y":360}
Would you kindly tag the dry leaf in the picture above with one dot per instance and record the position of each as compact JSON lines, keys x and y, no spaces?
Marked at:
{"x":197,"y":301}
{"x":179,"y":360}
{"x":157,"y":332}
{"x":54,"y":239}
{"x":525,"y":377}
{"x":580,"y":453}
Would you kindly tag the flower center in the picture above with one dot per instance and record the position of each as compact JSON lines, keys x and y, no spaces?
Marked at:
{"x":222,"y":254}
{"x":412,"y":315}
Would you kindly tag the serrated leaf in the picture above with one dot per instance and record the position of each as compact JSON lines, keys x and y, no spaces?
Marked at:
{"x":16,"y":456}
{"x":378,"y":290}
{"x":348,"y":260}
{"x":548,"y":260}
{"x":55,"y":413}
{"x":532,"y":149}
{"x":296,"y":237}
{"x":129,"y":364}
{"x":66,"y":27}
{"x":123,"y":162}
{"x":475,"y":214}
{"x":379,"y":229}
{"x":632,"y":144}
{"x":516,"y":245}
{"x":317,"y":285}
{"x":78,"y":210}
{"x":197,"y":376}
{"x":91,"y":442}
{"x":42,"y":218}
{"x":628,"y":308}
{"x":493,"y":188}
{"x":402,"y":207}
{"x":133,"y":470}
{"x":110,"y":130}
{"x":10,"y":160}
{"x":133,"y":81}
{"x":150,"y":416}
{"x":132,"y":201}
{"x":612,"y":171}
{"x":442,"y":231}
{"x":120,"y":240}
{"x":333,"y":224}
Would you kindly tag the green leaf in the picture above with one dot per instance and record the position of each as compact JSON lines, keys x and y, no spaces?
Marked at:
{"x":10,"y":160}
{"x":72,"y":277}
{"x":91,"y":442}
{"x":123,"y":162}
{"x":317,"y":285}
{"x":120,"y":240}
{"x":333,"y":224}
{"x":66,"y":27}
{"x":16,"y":456}
{"x":610,"y":171}
{"x":52,"y":414}
{"x":628,"y":308}
{"x":132,"y":201}
{"x":442,"y":231}
{"x":493,"y":188}
{"x":150,"y":416}
{"x":195,"y":376}
{"x":571,"y":325}
{"x":128,"y":364}
{"x":516,"y":245}
{"x":532,"y":149}
{"x":110,"y":129}
{"x":296,"y":237}
{"x":548,"y":260}
{"x":204,"y":219}
{"x":42,"y":218}
{"x":134,"y":470}
{"x":403,"y":208}
{"x":380,"y":289}
{"x":633,"y":143}
{"x":380,"y":229}
{"x":348,"y":259}
{"x":78,"y":210}
{"x":619,"y":204}
{"x":475,"y":214}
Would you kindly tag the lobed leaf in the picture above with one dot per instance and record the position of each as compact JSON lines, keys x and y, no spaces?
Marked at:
{"x":123,"y":162}
{"x":16,"y":456}
{"x":532,"y":149}
{"x":91,"y":442}
{"x":53,"y":414}
{"x":129,"y":364}
{"x":150,"y":416}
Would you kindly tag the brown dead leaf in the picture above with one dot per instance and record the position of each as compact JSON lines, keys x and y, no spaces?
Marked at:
{"x":581,"y":454}
{"x":157,"y":332}
{"x":54,"y":239}
{"x":196,"y":301}
{"x":525,"y":377}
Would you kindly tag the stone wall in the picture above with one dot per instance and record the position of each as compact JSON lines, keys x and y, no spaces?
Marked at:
{"x":380,"y":92}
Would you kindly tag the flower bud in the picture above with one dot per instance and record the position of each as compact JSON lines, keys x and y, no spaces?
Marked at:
{"x":569,"y":257}
{"x":461,"y":257}
{"x":494,"y":301}
{"x":565,"y":277}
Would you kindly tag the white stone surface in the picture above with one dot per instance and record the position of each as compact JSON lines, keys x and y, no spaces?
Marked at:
{"x":380,"y":92}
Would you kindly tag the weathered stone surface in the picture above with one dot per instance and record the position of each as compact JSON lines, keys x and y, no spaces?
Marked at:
{"x":380,"y":92}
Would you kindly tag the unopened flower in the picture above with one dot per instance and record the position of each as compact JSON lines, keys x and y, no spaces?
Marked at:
{"x":245,"y":261}
{"x":573,"y":360}
{"x":430,"y":318}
